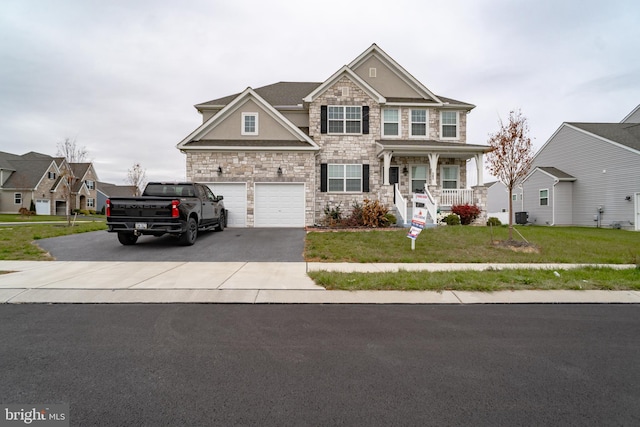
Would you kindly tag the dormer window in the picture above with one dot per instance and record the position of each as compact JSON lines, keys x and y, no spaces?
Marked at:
{"x":249,"y":124}
{"x":51,"y":175}
{"x":91,"y":185}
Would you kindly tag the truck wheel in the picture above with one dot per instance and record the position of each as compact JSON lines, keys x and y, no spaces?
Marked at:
{"x":188,"y":238}
{"x":222,"y":222}
{"x":127,"y":238}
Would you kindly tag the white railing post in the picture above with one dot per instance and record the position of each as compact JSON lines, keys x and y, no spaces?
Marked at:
{"x":400,"y":203}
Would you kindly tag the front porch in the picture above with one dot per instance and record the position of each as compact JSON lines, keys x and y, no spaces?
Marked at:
{"x":431,"y":175}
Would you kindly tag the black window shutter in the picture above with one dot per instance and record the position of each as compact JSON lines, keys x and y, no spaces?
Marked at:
{"x":365,"y":119}
{"x":365,"y":178}
{"x":323,"y":177}
{"x":323,"y":119}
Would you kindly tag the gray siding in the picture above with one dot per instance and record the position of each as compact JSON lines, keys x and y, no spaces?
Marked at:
{"x":562,"y":203}
{"x":498,"y":198}
{"x":539,"y":215}
{"x":605,"y":174}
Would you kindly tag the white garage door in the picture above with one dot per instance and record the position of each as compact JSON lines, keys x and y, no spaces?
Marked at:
{"x":279,"y":205}
{"x":235,"y":201}
{"x":43,"y":207}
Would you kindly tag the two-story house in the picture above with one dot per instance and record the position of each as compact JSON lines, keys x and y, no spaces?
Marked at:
{"x":54,"y":186}
{"x":281,"y":153}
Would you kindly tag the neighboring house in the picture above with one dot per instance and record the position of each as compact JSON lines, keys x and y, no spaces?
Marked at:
{"x":587,"y":174}
{"x":43,"y":179}
{"x":281,"y":153}
{"x":498,"y":201}
{"x":106,"y":190}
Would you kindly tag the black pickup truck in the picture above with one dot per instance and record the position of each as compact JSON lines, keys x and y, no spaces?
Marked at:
{"x":176,"y":208}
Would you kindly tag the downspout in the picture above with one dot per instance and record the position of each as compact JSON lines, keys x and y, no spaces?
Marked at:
{"x":553,"y":206}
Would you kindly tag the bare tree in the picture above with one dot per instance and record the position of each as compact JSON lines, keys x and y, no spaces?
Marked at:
{"x":137,"y":176}
{"x":70,"y":150}
{"x":511,"y":155}
{"x":72,"y":153}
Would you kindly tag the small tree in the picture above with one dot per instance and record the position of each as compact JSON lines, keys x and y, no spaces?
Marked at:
{"x":511,"y":155}
{"x":137,"y":176}
{"x":72,"y":153}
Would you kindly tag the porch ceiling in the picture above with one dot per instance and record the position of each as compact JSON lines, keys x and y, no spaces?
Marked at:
{"x":404,"y":148}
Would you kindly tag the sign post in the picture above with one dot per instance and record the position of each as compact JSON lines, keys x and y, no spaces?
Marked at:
{"x":417,"y":224}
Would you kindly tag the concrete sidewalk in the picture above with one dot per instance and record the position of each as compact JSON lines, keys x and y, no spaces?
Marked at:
{"x":250,"y":283}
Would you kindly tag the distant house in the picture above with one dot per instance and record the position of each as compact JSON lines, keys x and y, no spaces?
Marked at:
{"x":106,"y":190}
{"x":54,"y":186}
{"x":587,"y":174}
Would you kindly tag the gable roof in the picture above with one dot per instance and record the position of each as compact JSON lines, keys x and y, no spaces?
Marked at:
{"x":27,"y":173}
{"x":633,"y":116}
{"x":113,"y":190}
{"x":626,"y":134}
{"x":195,"y":139}
{"x":346,"y":72}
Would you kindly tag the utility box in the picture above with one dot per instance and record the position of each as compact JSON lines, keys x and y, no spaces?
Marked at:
{"x":522,"y":217}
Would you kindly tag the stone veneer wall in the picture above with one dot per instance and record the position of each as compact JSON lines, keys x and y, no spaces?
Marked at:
{"x":252,"y":167}
{"x":348,"y":149}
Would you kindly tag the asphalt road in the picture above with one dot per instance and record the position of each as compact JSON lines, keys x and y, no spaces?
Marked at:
{"x":295,"y":365}
{"x":233,"y":244}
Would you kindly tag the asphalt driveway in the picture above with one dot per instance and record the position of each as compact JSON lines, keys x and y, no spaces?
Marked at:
{"x":233,"y":244}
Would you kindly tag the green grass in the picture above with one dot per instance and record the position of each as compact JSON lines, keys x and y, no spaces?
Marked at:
{"x":43,"y":218}
{"x":16,"y":242}
{"x":468,"y":244}
{"x":491,"y":280}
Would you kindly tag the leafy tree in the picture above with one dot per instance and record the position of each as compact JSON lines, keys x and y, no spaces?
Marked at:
{"x":511,"y":155}
{"x":137,"y":176}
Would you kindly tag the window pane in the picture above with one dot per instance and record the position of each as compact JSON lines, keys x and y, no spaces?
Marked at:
{"x":353,"y":185}
{"x":336,"y":113}
{"x":418,"y":129}
{"x":419,"y":172}
{"x":449,"y":173}
{"x":336,"y":126}
{"x":449,"y":117}
{"x":449,"y":131}
{"x":417,"y":185}
{"x":450,"y":185}
{"x":352,"y":127}
{"x":390,"y":115}
{"x":353,"y":113}
{"x":336,"y":185}
{"x":249,"y":124}
{"x":336,"y":171}
{"x":419,"y":116}
{"x":391,"y":129}
{"x":354,"y":171}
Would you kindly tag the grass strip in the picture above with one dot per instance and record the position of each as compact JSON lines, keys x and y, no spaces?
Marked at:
{"x":587,"y":278}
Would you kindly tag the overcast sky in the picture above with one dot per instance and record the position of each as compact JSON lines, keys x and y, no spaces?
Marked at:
{"x":121,"y":77}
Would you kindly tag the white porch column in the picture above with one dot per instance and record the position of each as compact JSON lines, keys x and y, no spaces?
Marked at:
{"x":433,"y":167}
{"x":479,"y":167}
{"x":387,"y":166}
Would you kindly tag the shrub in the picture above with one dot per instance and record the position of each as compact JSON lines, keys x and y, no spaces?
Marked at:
{"x":332,"y":216}
{"x":391,"y":218}
{"x":494,"y":221}
{"x":374,"y":214}
{"x":355,"y":218}
{"x":466,"y":212}
{"x":452,"y":219}
{"x":103,"y":210}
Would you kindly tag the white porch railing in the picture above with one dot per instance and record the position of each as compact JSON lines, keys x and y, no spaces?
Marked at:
{"x":456,"y":197}
{"x":400,"y":203}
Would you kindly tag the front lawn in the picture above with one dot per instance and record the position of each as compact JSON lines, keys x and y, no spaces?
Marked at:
{"x":16,"y":242}
{"x":469,"y":244}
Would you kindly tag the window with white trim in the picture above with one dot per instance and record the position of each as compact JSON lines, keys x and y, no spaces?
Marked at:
{"x":91,"y":185}
{"x":344,"y":119}
{"x":91,"y":203}
{"x":391,"y":122}
{"x":544,"y":197}
{"x":419,"y":122}
{"x":51,"y":175}
{"x":449,"y":176}
{"x":17,"y":198}
{"x":345,"y":178}
{"x":249,"y":124}
{"x":419,"y":174}
{"x":449,"y":124}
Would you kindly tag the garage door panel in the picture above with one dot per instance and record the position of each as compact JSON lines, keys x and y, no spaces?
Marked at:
{"x":235,"y":201}
{"x":279,"y":205}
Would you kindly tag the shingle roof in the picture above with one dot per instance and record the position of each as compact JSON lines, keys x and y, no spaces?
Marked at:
{"x":627,"y":134}
{"x":277,"y":94}
{"x":556,"y":173}
{"x":27,"y":173}
{"x":112,"y":190}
